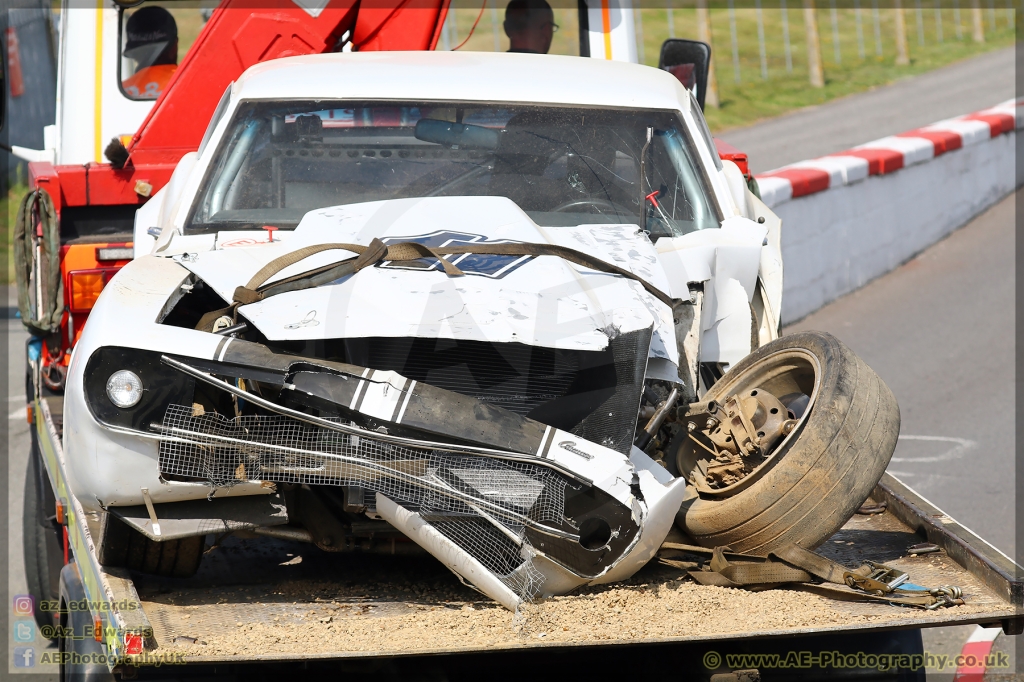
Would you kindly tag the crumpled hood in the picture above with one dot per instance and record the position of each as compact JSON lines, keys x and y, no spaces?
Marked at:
{"x":544,"y":301}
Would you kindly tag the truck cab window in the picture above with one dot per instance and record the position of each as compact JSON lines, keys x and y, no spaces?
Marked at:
{"x":154,"y":39}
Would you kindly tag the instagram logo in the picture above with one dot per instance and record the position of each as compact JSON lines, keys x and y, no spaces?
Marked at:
{"x":24,"y":605}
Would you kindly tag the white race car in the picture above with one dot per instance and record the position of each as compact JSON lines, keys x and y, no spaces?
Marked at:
{"x":465,"y":300}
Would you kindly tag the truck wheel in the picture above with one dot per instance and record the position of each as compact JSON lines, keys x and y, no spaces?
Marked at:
{"x":43,"y":544}
{"x":836,"y":433}
{"x":79,"y":653}
{"x":122,"y":546}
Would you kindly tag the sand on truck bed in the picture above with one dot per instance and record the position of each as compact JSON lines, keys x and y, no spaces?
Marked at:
{"x":285,"y":600}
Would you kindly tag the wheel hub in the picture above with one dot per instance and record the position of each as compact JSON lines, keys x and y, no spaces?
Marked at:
{"x":739,"y":434}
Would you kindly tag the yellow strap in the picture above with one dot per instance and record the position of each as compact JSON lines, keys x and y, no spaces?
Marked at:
{"x":377,"y":252}
{"x":280,"y":263}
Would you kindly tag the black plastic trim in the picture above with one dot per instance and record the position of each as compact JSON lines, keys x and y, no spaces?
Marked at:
{"x":161,"y":386}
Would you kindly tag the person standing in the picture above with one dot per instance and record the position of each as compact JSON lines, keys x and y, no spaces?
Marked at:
{"x":152,"y":43}
{"x":530,"y":26}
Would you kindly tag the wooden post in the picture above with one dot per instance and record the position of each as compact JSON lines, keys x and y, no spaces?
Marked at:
{"x":735,"y":42}
{"x":878,"y":28}
{"x":638,"y":25}
{"x":785,"y":37}
{"x":446,"y":41}
{"x":817,"y":75}
{"x":902,"y":56}
{"x":979,"y":27}
{"x":860,"y":29}
{"x":704,"y":36}
{"x":920,"y":22}
{"x":495,"y":30}
{"x":760,"y":41}
{"x":836,"y":49}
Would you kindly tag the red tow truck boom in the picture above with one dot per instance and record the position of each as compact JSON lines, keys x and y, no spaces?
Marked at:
{"x":95,"y":202}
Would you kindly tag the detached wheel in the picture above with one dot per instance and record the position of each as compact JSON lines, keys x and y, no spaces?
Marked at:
{"x":822,"y":427}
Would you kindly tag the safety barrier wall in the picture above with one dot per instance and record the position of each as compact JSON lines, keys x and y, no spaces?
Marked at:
{"x":853,"y":216}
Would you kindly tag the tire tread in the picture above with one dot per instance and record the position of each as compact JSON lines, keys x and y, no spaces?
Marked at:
{"x":825,"y":474}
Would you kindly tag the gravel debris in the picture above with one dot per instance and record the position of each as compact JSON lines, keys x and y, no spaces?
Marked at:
{"x":613,"y":613}
{"x":374,"y":604}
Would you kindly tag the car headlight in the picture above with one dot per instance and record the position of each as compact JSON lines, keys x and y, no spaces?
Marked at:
{"x":124,"y":388}
{"x":131,"y":388}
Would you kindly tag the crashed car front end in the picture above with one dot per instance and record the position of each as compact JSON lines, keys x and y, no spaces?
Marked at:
{"x":516,"y":506}
{"x":467,"y":367}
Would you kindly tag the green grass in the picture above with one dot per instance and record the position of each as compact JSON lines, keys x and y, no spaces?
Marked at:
{"x":754,"y":98}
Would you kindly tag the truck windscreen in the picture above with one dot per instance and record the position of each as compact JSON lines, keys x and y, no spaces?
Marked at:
{"x":563,"y":166}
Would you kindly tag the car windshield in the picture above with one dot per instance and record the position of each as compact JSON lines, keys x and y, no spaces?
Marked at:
{"x":562,"y":166}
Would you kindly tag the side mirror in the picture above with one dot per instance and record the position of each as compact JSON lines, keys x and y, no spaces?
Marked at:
{"x":689,"y":61}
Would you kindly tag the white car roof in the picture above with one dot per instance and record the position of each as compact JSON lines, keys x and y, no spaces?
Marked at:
{"x":464,"y":76}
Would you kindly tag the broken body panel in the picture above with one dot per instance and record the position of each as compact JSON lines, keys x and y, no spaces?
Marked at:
{"x":490,"y":416}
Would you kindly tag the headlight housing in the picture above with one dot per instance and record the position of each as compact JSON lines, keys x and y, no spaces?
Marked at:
{"x":124,"y":388}
{"x":131,"y":388}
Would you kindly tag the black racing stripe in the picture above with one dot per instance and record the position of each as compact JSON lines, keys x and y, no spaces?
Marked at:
{"x":220,"y":347}
{"x":363,"y":386}
{"x":547,"y":442}
{"x":401,"y":400}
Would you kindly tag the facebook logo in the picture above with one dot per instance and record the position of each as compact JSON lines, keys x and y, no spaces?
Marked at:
{"x":24,"y":657}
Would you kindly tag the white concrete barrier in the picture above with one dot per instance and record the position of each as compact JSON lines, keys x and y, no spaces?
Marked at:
{"x":850,"y":217}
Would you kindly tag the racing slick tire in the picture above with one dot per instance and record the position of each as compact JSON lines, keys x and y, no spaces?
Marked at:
{"x":814,"y":481}
{"x":122,"y":546}
{"x":42,"y":539}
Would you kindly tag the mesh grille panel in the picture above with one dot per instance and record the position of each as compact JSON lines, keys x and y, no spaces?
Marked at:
{"x":481,"y":503}
{"x":503,"y":556}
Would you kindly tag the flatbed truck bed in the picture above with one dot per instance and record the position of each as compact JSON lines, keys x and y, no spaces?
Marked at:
{"x":266,"y":600}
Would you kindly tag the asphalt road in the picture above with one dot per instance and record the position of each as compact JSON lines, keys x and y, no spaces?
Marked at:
{"x":940,"y":329}
{"x":954,"y":90}
{"x":940,"y":332}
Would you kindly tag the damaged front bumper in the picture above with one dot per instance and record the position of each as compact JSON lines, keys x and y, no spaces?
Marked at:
{"x":514,"y":507}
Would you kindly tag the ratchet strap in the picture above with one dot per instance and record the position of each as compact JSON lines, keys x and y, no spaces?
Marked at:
{"x":795,"y":566}
{"x":379,"y":252}
{"x":37,"y":264}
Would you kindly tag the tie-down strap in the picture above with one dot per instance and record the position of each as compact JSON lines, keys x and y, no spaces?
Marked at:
{"x":799,"y":567}
{"x":378,"y":252}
